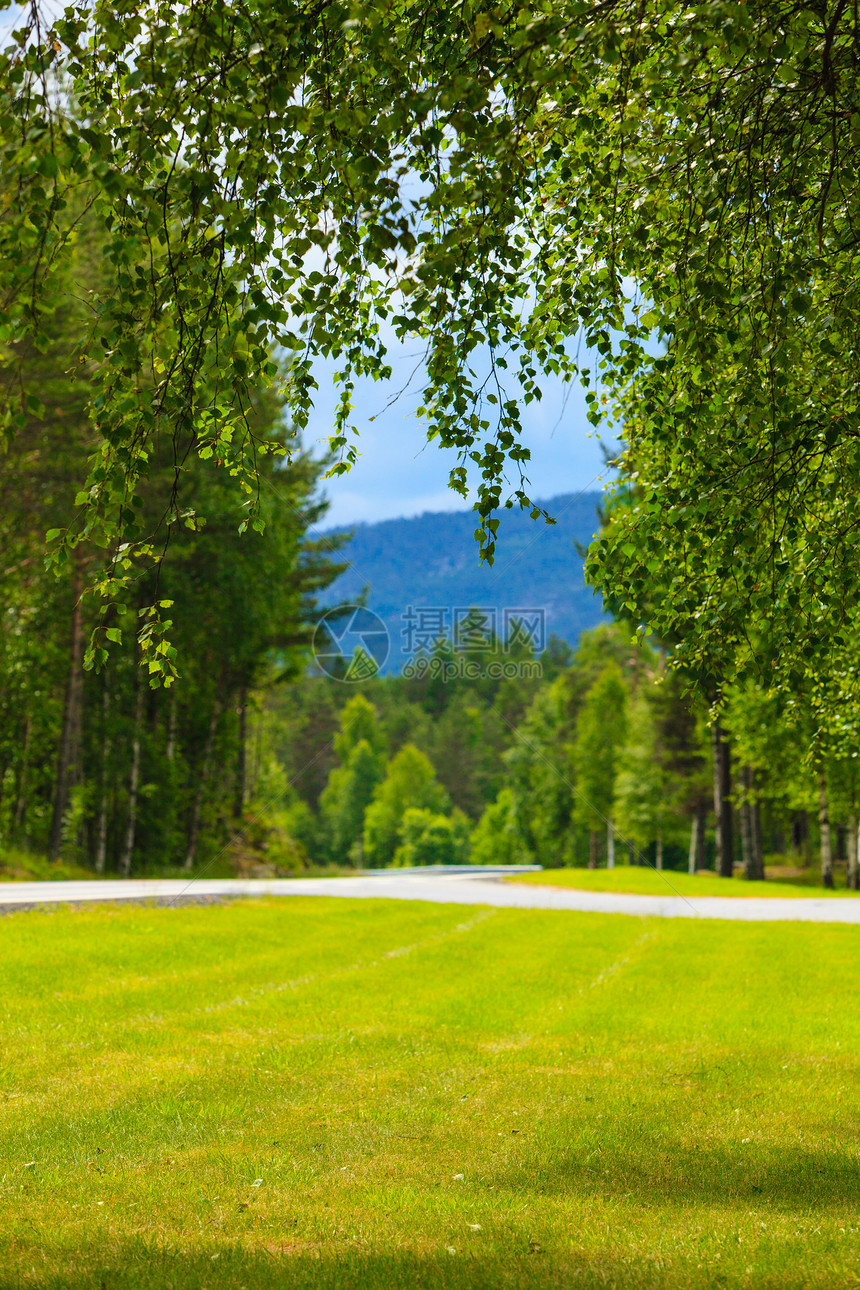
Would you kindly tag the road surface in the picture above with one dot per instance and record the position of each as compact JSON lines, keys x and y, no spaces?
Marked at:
{"x":446,"y":887}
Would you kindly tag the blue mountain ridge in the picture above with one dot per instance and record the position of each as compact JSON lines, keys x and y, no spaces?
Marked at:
{"x":419,"y":572}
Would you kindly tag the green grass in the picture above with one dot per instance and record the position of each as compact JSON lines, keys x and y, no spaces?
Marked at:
{"x":17,"y":865}
{"x":323,"y":1093}
{"x":642,"y":881}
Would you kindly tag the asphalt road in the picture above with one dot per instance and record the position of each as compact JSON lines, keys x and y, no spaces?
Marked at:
{"x":446,"y":887}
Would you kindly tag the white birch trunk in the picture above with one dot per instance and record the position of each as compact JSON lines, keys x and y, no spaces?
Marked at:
{"x":610,"y":845}
{"x":133,"y":783}
{"x":746,"y":838}
{"x":824,"y":830}
{"x":851,"y":840}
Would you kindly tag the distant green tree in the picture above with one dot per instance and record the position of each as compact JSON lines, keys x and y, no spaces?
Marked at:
{"x":541,"y":762}
{"x":429,"y":838}
{"x":640,"y":782}
{"x":359,"y":722}
{"x":464,"y":744}
{"x":773,"y":769}
{"x":601,"y":730}
{"x":359,"y":744}
{"x":684,"y":736}
{"x":556,"y":658}
{"x":345,"y":800}
{"x":541,"y":776}
{"x":497,"y":838}
{"x":302,"y":721}
{"x":410,"y":781}
{"x":294,"y":834}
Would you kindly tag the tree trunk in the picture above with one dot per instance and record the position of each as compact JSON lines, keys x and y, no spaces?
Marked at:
{"x":824,"y":828}
{"x":800,"y":844}
{"x":693,"y":856}
{"x":239,"y":802}
{"x":755,"y":831}
{"x":258,"y":753}
{"x":101,"y":836}
{"x":851,"y":874}
{"x":745,"y":819}
{"x":67,"y":756}
{"x":592,"y":850}
{"x":197,"y":806}
{"x":797,"y":831}
{"x":134,"y":779}
{"x":839,"y":852}
{"x":696,"y":858}
{"x":610,"y":844}
{"x":722,"y":802}
{"x":659,"y":856}
{"x":701,"y":812}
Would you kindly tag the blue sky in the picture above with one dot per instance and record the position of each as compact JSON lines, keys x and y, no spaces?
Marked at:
{"x":400,"y":474}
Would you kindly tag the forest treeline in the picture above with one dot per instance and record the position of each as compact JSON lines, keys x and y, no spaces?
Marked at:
{"x":168,"y":713}
{"x":608,"y":756}
{"x":257,"y":762}
{"x":254,"y":759}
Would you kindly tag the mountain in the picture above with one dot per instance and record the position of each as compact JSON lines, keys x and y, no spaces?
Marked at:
{"x":418,"y":573}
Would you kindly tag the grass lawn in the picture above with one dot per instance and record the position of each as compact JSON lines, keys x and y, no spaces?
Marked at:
{"x":643,"y":881}
{"x":24,"y":866}
{"x":375,"y":1094}
{"x":27,"y":866}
